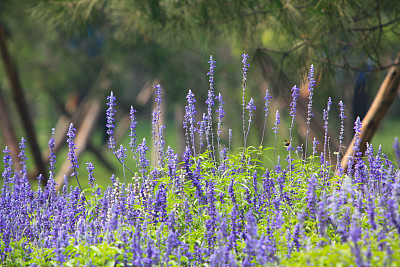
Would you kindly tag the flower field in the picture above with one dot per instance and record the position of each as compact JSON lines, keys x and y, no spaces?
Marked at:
{"x":209,"y":206}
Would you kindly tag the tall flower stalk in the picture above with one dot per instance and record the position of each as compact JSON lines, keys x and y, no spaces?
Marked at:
{"x":245,"y":67}
{"x":311,"y":84}
{"x":210,"y":104}
{"x":275,"y":128}
{"x":266,"y":98}
{"x":156,"y":128}
{"x":190,"y":112}
{"x":293,"y":109}
{"x":251,"y":107}
{"x":341,"y":136}
{"x":221,"y":113}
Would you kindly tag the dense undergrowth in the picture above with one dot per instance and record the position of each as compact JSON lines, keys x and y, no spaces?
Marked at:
{"x":208,"y":206}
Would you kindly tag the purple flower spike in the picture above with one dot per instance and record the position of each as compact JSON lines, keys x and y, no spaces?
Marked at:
{"x":293,"y":109}
{"x":221,"y":113}
{"x":251,"y":107}
{"x":7,"y":173}
{"x":293,"y":104}
{"x":210,"y":102}
{"x":22,"y":154}
{"x":311,"y":84}
{"x":52,"y":156}
{"x":190,"y":112}
{"x":90,"y":169}
{"x":141,"y":151}
{"x":121,"y":154}
{"x":211,"y":75}
{"x":277,"y":122}
{"x":110,"y":120}
{"x":266,"y":98}
{"x":158,"y":94}
{"x":132,"y":134}
{"x":71,"y":152}
{"x":245,"y":67}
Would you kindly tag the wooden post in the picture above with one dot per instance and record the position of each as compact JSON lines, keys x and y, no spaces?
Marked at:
{"x":380,"y":106}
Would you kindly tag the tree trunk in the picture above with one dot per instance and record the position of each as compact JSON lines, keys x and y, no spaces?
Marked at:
{"x":9,"y":133}
{"x":20,"y":101}
{"x":382,"y":102}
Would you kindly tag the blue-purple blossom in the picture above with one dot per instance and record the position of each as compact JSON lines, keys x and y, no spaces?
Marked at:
{"x":110,"y":120}
{"x":251,"y":107}
{"x":157,"y":111}
{"x":210,"y":75}
{"x":210,"y":102}
{"x":311,"y":84}
{"x":90,"y":169}
{"x":132,"y":127}
{"x":266,"y":98}
{"x":315,"y":143}
{"x":293,"y":104}
{"x":141,"y":151}
{"x":22,"y":155}
{"x":293,"y":109}
{"x":121,"y":154}
{"x":244,"y":83}
{"x":358,"y":131}
{"x":52,"y":156}
{"x":202,"y":129}
{"x":220,"y":112}
{"x":7,"y":160}
{"x":71,"y":150}
{"x":277,"y":122}
{"x":189,"y":118}
{"x":245,"y":67}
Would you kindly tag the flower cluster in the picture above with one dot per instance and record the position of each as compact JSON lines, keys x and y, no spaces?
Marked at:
{"x":195,"y":210}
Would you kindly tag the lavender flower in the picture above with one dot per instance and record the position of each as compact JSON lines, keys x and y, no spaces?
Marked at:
{"x":277,"y":122}
{"x":52,"y":156}
{"x":110,"y":120}
{"x":90,"y":169}
{"x":275,"y":128}
{"x":244,"y":84}
{"x":7,"y":173}
{"x":325,"y":118}
{"x":121,"y":154}
{"x":267,"y":98}
{"x":143,"y":161}
{"x":210,"y":103}
{"x":132,"y":127}
{"x":221,"y":113}
{"x":311,"y":84}
{"x":22,"y":157}
{"x":315,"y":143}
{"x":202,"y":129}
{"x":190,"y":112}
{"x":293,"y":105}
{"x":251,"y":107}
{"x":71,"y":151}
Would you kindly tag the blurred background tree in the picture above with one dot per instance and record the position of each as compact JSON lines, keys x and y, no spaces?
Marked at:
{"x":70,"y":52}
